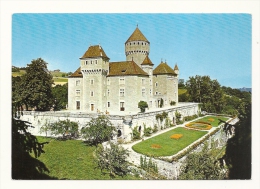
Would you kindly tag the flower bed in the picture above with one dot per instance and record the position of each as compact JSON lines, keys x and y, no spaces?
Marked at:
{"x":156,"y":146}
{"x":176,"y":136}
{"x":199,"y":125}
{"x":211,"y":119}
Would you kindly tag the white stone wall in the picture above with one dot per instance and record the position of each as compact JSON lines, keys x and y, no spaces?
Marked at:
{"x":72,"y":96}
{"x":121,"y":122}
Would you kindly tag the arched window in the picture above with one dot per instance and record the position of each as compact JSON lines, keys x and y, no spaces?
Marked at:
{"x":140,"y":129}
{"x":119,"y":133}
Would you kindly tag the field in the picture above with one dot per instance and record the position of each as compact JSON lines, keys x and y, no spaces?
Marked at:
{"x":72,"y":160}
{"x":167,"y":145}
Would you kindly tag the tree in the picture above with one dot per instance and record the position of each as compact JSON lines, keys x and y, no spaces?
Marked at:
{"x":98,"y":130}
{"x":142,"y":105}
{"x":60,"y":95}
{"x":206,"y":91}
{"x":112,"y":159}
{"x":201,"y":166}
{"x":66,"y":128}
{"x":24,"y":147}
{"x":36,"y":84}
{"x":238,"y":154}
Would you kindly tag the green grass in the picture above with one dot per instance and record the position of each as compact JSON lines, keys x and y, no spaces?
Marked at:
{"x":57,"y":74}
{"x":72,"y":160}
{"x":60,"y":79}
{"x":15,"y":74}
{"x":181,"y":91}
{"x":214,"y":123}
{"x":168,"y":146}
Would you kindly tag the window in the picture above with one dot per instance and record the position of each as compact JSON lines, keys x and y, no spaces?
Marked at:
{"x":122,"y":106}
{"x":143,"y":92}
{"x":156,"y":93}
{"x":108,"y":81}
{"x":150,"y":82}
{"x":86,"y":62}
{"x":77,"y":82}
{"x":108,"y":92}
{"x":92,"y":93}
{"x":92,"y":81}
{"x":150,"y":92}
{"x":96,"y":61}
{"x":77,"y":92}
{"x":143,"y":81}
{"x":122,"y":92}
{"x":77,"y":105}
{"x":108,"y":104}
{"x":92,"y":107}
{"x":156,"y":84}
{"x":121,"y":80}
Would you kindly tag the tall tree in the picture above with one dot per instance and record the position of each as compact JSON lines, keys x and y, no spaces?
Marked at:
{"x":206,"y":91}
{"x":37,"y":84}
{"x":98,"y":130}
{"x":60,"y":95}
{"x":112,"y":159}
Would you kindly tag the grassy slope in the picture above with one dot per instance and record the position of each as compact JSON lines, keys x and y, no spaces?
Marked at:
{"x":73,"y":160}
{"x":214,"y":123}
{"x":168,"y":146}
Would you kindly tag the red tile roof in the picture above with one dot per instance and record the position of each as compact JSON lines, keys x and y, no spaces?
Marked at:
{"x":137,"y":35}
{"x":163,"y":68}
{"x":147,"y":61}
{"x":77,"y":73}
{"x":125,"y":68}
{"x":95,"y":51}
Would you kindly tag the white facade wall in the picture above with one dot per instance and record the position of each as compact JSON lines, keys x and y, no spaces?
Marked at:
{"x":75,"y":93}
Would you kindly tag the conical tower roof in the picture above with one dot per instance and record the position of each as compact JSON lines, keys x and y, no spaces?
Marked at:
{"x":163,"y":68}
{"x":147,"y":61}
{"x":95,"y":51}
{"x":176,"y":67}
{"x":137,"y":35}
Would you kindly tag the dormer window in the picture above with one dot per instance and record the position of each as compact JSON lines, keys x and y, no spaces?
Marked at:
{"x":86,"y":62}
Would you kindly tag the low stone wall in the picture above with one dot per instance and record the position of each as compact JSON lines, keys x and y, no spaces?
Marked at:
{"x":124,"y":123}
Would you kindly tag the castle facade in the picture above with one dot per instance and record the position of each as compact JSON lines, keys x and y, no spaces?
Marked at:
{"x":100,"y":86}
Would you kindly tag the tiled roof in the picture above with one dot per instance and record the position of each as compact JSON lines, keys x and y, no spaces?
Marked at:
{"x":163,"y":68}
{"x":95,"y":51}
{"x":176,"y":67}
{"x":77,"y":73}
{"x":147,"y":61}
{"x":137,"y":36}
{"x":125,"y":68}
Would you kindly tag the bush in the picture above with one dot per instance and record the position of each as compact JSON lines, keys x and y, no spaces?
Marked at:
{"x":147,"y":131}
{"x":155,"y":128}
{"x":136,"y":133}
{"x":142,"y":105}
{"x":172,"y":103}
{"x":66,"y":128}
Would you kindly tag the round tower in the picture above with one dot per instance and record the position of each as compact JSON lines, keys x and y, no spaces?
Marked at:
{"x":137,"y":47}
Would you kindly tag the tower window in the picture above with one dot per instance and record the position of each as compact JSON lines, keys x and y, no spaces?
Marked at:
{"x":143,"y":92}
{"x":108,"y":104}
{"x":77,"y":92}
{"x":77,"y":105}
{"x":92,"y":93}
{"x":86,"y":62}
{"x":108,"y":92}
{"x":96,"y":61}
{"x":138,"y":43}
{"x":122,"y":92}
{"x":77,"y":82}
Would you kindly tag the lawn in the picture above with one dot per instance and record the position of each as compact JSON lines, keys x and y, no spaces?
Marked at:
{"x":213,"y":120}
{"x":20,"y":73}
{"x":60,"y":79}
{"x":168,"y":146}
{"x":72,"y":160}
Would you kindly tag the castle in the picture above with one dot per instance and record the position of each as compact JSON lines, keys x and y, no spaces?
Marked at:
{"x":100,"y":86}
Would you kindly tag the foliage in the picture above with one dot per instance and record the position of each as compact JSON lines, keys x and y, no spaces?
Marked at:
{"x":98,"y":130}
{"x":155,"y":128}
{"x":66,"y":128}
{"x":199,"y":125}
{"x":161,"y":116}
{"x":136,"y":134}
{"x":34,"y":87}
{"x":24,"y":166}
{"x":142,"y":105}
{"x":15,"y":69}
{"x":149,"y":165}
{"x":112,"y":159}
{"x":60,"y":95}
{"x":172,"y":103}
{"x":201,"y":166}
{"x":147,"y":131}
{"x":178,"y":117}
{"x":161,"y":103}
{"x":206,"y":91}
{"x":238,"y":154}
{"x":188,"y":118}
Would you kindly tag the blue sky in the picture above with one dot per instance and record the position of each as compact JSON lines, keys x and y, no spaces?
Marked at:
{"x":218,"y":45}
